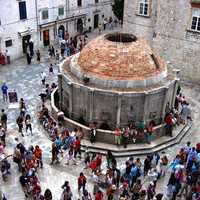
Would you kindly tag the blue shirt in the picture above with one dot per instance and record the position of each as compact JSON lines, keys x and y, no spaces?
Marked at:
{"x":4,"y":88}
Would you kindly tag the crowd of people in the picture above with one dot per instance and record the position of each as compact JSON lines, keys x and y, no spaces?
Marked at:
{"x":134,"y":179}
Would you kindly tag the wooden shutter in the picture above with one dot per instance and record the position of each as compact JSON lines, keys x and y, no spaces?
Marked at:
{"x":22,"y":10}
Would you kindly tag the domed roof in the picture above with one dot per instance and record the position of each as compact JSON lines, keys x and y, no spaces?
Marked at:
{"x":120,"y":56}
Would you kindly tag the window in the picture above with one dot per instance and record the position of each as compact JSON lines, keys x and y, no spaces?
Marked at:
{"x":61,"y":11}
{"x":45,"y":14}
{"x":79,"y":3}
{"x":8,"y":43}
{"x":96,"y":1}
{"x":22,"y":10}
{"x":195,"y":20}
{"x":144,"y":7}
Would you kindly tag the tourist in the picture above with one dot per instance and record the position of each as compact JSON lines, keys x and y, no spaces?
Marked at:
{"x":71,"y":155}
{"x":169,"y":124}
{"x":28,"y":124}
{"x":51,"y":69}
{"x":5,"y":168}
{"x":17,"y":157}
{"x":4,"y":119}
{"x":66,"y":194}
{"x":117,"y":135}
{"x":2,"y":135}
{"x":149,"y":132}
{"x":81,"y":182}
{"x":38,"y":55}
{"x":125,"y":136}
{"x":7,"y":55}
{"x":57,"y":56}
{"x":150,"y":191}
{"x":54,"y":154}
{"x":19,"y":121}
{"x":147,"y":165}
{"x":48,"y":195}
{"x":22,"y":107}
{"x":86,"y":195}
{"x":99,"y":28}
{"x":99,"y":195}
{"x":53,"y":51}
{"x":86,"y":158}
{"x":77,"y":147}
{"x":110,"y":23}
{"x":43,"y":78}
{"x":124,"y":190}
{"x":104,"y":24}
{"x":4,"y":89}
{"x":109,"y":158}
{"x":38,"y":155}
{"x":93,"y":134}
{"x":28,"y":58}
{"x":2,"y":59}
{"x":31,"y":47}
{"x":136,"y":189}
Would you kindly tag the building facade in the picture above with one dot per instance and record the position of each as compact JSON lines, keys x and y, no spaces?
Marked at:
{"x":56,"y":17}
{"x":171,"y":27}
{"x":47,"y":21}
{"x":18,"y":25}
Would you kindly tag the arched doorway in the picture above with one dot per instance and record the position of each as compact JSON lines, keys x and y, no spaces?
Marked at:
{"x":96,"y":21}
{"x":61,"y":32}
{"x":80,"y":25}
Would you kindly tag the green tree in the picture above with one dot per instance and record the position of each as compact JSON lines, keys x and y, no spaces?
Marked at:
{"x":118,"y":9}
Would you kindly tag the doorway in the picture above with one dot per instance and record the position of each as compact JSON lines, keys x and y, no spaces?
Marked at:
{"x":61,"y":31}
{"x":80,"y":25}
{"x":96,"y":21}
{"x":46,"y":41}
{"x":25,"y":42}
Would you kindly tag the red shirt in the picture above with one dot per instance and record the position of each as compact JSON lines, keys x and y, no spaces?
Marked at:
{"x":77,"y":144}
{"x":99,"y":196}
{"x":98,"y":160}
{"x":168,"y":120}
{"x":82,"y":180}
{"x":117,"y":132}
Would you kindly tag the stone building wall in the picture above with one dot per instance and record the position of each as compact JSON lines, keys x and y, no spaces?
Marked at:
{"x":168,"y":29}
{"x":14,"y":29}
{"x":11,"y":26}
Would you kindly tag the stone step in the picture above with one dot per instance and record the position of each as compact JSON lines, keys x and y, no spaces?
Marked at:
{"x":137,"y":149}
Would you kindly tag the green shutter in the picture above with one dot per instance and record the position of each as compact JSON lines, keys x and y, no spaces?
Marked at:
{"x":61,"y":11}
